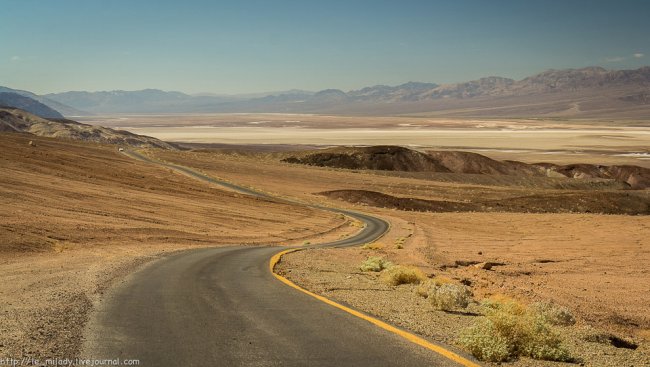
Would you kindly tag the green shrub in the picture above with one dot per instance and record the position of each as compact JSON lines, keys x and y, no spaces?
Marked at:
{"x":374,"y":263}
{"x":400,"y":274}
{"x":510,"y":329}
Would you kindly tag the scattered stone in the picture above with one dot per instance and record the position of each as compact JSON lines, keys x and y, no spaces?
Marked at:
{"x":615,"y":341}
{"x":488,"y":265}
{"x":545,"y":261}
{"x":466,"y":262}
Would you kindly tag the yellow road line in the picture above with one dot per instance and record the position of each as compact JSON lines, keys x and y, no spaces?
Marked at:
{"x":406,"y":335}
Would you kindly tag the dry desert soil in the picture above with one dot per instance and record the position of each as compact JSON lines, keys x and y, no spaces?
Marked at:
{"x":592,"y":264}
{"x":77,"y":217}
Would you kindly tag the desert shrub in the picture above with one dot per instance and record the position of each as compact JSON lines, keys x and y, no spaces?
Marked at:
{"x":423,"y":289}
{"x":484,"y":342}
{"x":449,"y":296}
{"x":400,"y":274}
{"x":510,"y":329}
{"x":554,"y":314}
{"x":375,"y":263}
{"x":373,"y":246}
{"x":399,"y":243}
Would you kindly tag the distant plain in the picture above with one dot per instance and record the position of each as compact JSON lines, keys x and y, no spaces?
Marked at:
{"x":528,"y":140}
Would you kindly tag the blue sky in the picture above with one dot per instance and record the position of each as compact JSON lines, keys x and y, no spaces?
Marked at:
{"x":253,"y":46}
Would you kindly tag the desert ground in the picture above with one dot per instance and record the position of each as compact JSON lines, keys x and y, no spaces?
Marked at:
{"x":589,"y":263}
{"x":77,"y":217}
{"x":83,"y":216}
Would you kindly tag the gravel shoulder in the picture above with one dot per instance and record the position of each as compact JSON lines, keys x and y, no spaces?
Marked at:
{"x":335,"y":273}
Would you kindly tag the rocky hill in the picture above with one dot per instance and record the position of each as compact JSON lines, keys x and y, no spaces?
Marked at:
{"x":394,"y":158}
{"x":634,"y":176}
{"x":387,"y":158}
{"x":15,"y":120}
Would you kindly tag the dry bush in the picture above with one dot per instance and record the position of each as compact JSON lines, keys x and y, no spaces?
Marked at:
{"x":423,"y":289}
{"x":375,"y":263}
{"x":554,"y":314}
{"x":509,"y":330}
{"x":400,"y":274}
{"x":399,"y":243}
{"x":444,"y":294}
{"x":373,"y":246}
{"x":449,"y":296}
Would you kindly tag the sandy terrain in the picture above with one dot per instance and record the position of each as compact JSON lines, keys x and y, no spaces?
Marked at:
{"x":75,"y":217}
{"x":70,"y":226}
{"x":593,"y":264}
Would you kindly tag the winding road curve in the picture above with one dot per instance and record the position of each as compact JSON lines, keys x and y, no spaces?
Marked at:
{"x":224,"y":307}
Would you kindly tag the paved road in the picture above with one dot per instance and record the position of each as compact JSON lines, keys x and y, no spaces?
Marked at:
{"x":223,"y":307}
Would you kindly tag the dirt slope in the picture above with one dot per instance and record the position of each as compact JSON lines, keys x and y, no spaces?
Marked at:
{"x":467,"y":162}
{"x":388,"y":158}
{"x":636,"y":177}
{"x":604,"y":202}
{"x":76,"y":216}
{"x":20,"y":121}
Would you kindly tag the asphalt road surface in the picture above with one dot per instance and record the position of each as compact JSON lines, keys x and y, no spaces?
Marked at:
{"x":223,"y":307}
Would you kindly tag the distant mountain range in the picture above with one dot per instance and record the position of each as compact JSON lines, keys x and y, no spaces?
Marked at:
{"x":591,"y":92}
{"x":62,"y":109}
{"x":28,"y":104}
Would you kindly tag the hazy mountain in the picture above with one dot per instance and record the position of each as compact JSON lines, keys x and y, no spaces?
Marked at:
{"x":30,"y":105}
{"x":148,"y":100}
{"x":16,"y":120}
{"x":59,"y":107}
{"x":589,"y":92}
{"x":587,"y":78}
{"x":406,"y":92}
{"x":492,"y":85}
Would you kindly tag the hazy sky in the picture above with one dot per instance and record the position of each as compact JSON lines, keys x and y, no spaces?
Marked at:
{"x":253,"y":46}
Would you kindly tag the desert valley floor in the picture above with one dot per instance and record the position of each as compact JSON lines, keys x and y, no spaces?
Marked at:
{"x":83,"y":215}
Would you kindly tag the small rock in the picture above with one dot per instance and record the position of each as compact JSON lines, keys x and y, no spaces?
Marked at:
{"x":466,"y":262}
{"x":484,"y":266}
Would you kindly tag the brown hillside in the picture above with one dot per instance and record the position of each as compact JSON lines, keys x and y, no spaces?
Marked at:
{"x":12,"y":119}
{"x":394,"y":158}
{"x":386,"y":158}
{"x":467,"y":162}
{"x":602,"y":202}
{"x":57,"y":192}
{"x":636,"y":177}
